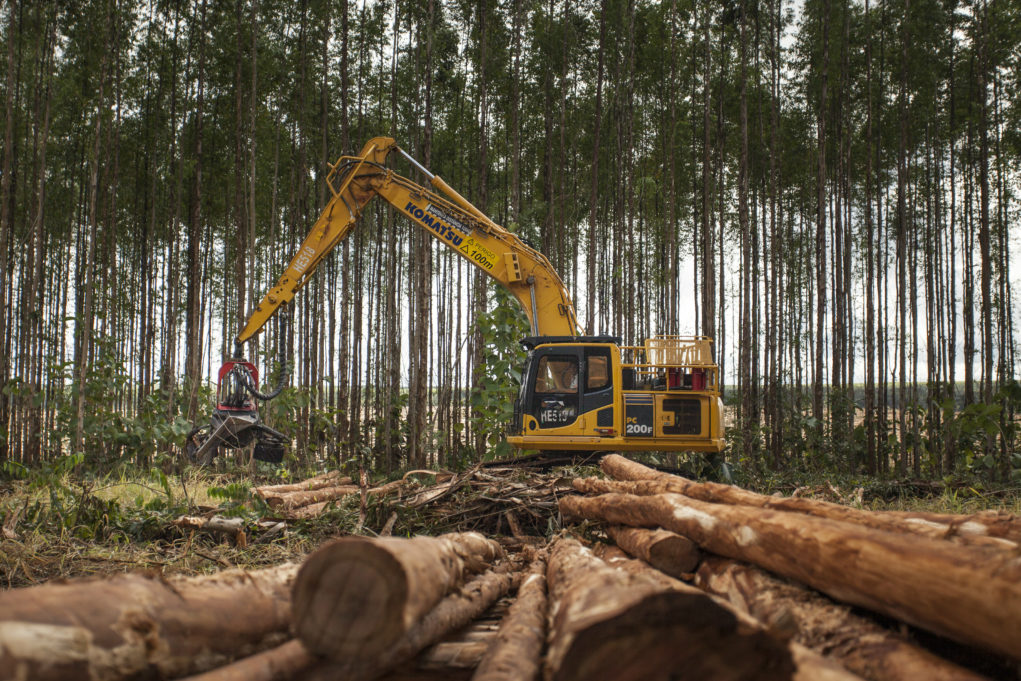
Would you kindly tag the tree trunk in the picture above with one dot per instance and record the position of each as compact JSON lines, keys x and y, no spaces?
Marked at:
{"x":5,"y":216}
{"x":590,"y":274}
{"x":820,"y":225}
{"x":971,"y":596}
{"x":193,"y":318}
{"x":354,"y":598}
{"x":516,"y":654}
{"x":667,"y":552}
{"x":859,"y":644}
{"x":609,"y":624}
{"x":131,"y":625}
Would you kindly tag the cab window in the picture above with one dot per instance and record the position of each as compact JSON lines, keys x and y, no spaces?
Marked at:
{"x":598,"y":372}
{"x":557,"y":374}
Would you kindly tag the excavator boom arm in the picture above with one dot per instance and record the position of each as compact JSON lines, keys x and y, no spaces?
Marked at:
{"x":449,"y":218}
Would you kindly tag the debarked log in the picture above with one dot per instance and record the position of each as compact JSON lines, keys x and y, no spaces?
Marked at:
{"x":991,"y":523}
{"x":133,"y":626}
{"x":291,"y":500}
{"x":809,"y":665}
{"x":971,"y":595}
{"x":608,"y":624}
{"x":516,"y":653}
{"x":329,"y":479}
{"x":634,"y":478}
{"x":859,"y":644}
{"x":356,"y":597}
{"x":667,"y":552}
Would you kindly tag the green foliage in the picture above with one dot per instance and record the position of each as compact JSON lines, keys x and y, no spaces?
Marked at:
{"x":497,"y":379}
{"x":238,"y":500}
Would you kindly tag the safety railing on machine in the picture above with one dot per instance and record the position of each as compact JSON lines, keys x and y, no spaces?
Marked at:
{"x":670,"y":362}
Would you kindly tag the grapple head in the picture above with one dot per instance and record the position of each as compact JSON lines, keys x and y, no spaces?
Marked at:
{"x":235,"y":422}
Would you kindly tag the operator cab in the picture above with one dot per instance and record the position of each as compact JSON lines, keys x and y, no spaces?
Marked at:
{"x":592,"y":393}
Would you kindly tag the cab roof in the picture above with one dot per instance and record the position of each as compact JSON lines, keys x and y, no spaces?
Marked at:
{"x":530,"y":342}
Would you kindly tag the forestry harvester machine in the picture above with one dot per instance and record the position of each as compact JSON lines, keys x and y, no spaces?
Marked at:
{"x":578,"y":393}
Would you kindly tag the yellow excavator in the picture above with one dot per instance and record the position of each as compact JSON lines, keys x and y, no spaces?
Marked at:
{"x":578,"y":392}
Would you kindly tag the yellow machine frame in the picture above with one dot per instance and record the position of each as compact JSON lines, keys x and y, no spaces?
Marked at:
{"x":651,"y":404}
{"x":643,"y":414}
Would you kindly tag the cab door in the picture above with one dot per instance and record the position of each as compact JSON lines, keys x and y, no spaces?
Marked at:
{"x":555,"y":393}
{"x":597,"y":390}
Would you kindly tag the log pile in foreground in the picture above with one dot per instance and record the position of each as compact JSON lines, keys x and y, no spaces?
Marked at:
{"x":694,"y":581}
{"x":968,"y":591}
{"x":362,"y":608}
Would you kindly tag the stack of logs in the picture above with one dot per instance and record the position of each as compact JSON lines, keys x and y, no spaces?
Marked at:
{"x":664,"y":598}
{"x":309,"y":498}
{"x":958,"y":577}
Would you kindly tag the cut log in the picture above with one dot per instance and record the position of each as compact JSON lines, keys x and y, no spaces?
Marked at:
{"x":329,"y":479}
{"x":998,"y":524}
{"x":608,"y":624}
{"x":610,"y":553}
{"x":310,"y":511}
{"x":667,"y":552}
{"x":809,"y":665}
{"x":282,"y":663}
{"x":453,"y":612}
{"x":356,"y":597}
{"x":973,"y":596}
{"x":291,"y":500}
{"x":132,"y":625}
{"x":728,"y":494}
{"x":516,"y":653}
{"x":859,"y":644}
{"x":302,"y":505}
{"x":231,"y":527}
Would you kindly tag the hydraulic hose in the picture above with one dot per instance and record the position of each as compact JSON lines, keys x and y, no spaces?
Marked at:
{"x":285,"y":373}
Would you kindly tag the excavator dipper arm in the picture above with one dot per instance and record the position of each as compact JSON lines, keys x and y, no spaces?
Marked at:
{"x":449,"y":218}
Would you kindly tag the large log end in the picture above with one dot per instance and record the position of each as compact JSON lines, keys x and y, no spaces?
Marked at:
{"x":673,"y":635}
{"x":351,"y":575}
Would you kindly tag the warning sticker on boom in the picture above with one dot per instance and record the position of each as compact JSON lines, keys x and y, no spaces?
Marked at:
{"x":479,"y":254}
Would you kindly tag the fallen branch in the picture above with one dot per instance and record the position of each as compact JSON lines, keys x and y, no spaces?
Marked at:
{"x":356,"y":597}
{"x":973,"y":596}
{"x":214,"y":525}
{"x":312,"y":510}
